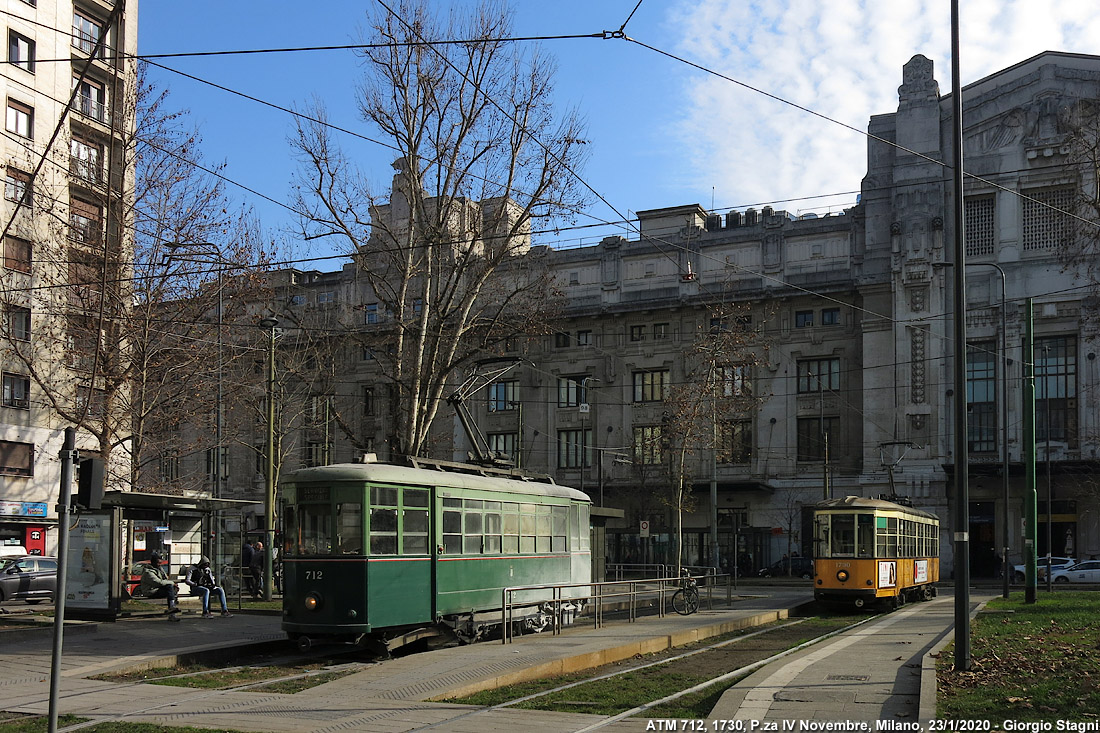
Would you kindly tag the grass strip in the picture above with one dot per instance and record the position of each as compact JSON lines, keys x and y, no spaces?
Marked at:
{"x":1029,"y":662}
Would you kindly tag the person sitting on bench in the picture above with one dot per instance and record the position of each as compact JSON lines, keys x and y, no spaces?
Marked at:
{"x":155,"y":583}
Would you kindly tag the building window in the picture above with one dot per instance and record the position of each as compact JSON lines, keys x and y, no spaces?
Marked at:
{"x":296,"y":301}
{"x":637,"y":333}
{"x":651,"y":386}
{"x":738,"y":442}
{"x":981,"y":401}
{"x":817,"y":375}
{"x":85,"y":222}
{"x":584,"y":338}
{"x":830,"y":316}
{"x":574,"y":446}
{"x":90,"y":100}
{"x":20,"y":120}
{"x":17,"y":254}
{"x":812,"y":440}
{"x":1046,"y":223}
{"x":502,"y":444}
{"x":17,"y":186}
{"x":979,"y":227}
{"x":168,"y":466}
{"x":18,"y":322}
{"x":20,"y":51}
{"x":1056,"y":390}
{"x":734,"y":381}
{"x":561,"y":340}
{"x":660,"y":331}
{"x":85,"y":159}
{"x":326,"y":297}
{"x":368,"y":400}
{"x":91,"y":401}
{"x":572,"y":391}
{"x":86,"y":32}
{"x":648,"y":444}
{"x":368,"y":353}
{"x":503,"y":396}
{"x":16,"y":459}
{"x":17,"y":391}
{"x":315,"y":453}
{"x":803,"y":319}
{"x":372,"y":313}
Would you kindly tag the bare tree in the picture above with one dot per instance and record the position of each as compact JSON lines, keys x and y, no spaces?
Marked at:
{"x":121,"y":334}
{"x":716,"y":390}
{"x":446,"y":261}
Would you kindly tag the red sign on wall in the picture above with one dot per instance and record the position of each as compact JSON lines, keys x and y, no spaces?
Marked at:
{"x":35,"y":540}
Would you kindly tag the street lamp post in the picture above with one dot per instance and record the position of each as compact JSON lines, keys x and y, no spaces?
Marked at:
{"x":270,"y":324}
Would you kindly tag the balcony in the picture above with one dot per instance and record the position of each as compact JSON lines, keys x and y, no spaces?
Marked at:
{"x":89,"y":171}
{"x":92,"y":109}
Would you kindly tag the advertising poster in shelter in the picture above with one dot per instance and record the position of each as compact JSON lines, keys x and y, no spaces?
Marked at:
{"x":88,"y":561}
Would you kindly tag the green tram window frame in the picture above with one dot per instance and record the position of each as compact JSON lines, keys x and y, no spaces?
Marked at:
{"x":476,"y":526}
{"x":399,"y":520}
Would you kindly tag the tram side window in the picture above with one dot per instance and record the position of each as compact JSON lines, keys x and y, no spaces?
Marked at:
{"x":349,"y":524}
{"x":844,"y":535}
{"x":527,"y":528}
{"x":559,"y":518}
{"x":414,"y":522}
{"x":473,"y":527}
{"x":383,"y":520}
{"x":492,"y":544}
{"x":314,"y":529}
{"x":509,"y":527}
{"x":586,"y":527}
{"x":452,"y":526}
{"x":543,"y":526}
{"x":865,"y":535}
{"x":821,"y":536}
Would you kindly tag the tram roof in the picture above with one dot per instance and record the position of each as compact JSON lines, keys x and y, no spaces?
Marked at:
{"x":859,"y":502}
{"x":390,"y":474}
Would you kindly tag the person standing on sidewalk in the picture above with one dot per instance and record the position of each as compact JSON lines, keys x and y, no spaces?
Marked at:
{"x":247,"y":551}
{"x":155,"y":583}
{"x":201,"y":580}
{"x":257,"y":567}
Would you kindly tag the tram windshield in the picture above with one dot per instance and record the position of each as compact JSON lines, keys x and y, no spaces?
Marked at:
{"x":845,"y":535}
{"x":309,"y":529}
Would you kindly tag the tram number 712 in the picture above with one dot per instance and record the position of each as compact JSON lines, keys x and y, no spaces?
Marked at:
{"x":315,"y":575}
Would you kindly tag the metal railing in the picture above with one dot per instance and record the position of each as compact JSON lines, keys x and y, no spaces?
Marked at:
{"x":599,"y":595}
{"x":622,"y":571}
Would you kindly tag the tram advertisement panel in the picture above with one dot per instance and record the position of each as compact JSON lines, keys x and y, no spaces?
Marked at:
{"x":920,"y":571}
{"x":887,"y":574}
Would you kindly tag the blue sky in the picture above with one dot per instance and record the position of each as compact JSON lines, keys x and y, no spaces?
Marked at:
{"x":662,"y":133}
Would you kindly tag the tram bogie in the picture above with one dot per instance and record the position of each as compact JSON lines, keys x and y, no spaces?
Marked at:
{"x":874,"y":552}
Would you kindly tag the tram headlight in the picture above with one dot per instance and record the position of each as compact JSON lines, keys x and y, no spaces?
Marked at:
{"x":313,"y":602}
{"x":842,"y":575}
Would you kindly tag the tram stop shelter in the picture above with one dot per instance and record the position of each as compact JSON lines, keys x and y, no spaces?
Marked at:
{"x":108,"y":545}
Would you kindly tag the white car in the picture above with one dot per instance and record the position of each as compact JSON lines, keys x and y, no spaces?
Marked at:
{"x":1057,"y":563}
{"x":1083,"y":572}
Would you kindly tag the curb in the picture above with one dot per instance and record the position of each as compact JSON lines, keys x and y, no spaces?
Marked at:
{"x":566,"y":665}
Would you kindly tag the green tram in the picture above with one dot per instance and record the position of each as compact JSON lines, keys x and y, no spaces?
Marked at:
{"x":404,"y":552}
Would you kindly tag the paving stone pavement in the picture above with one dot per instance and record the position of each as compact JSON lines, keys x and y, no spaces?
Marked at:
{"x":392,"y":696}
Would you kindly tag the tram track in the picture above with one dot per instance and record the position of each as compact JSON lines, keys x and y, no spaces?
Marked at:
{"x":677,"y":659}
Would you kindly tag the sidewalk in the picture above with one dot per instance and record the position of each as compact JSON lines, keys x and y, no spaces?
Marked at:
{"x":393,"y":696}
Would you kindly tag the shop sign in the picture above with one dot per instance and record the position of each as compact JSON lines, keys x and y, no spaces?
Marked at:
{"x":23,"y":509}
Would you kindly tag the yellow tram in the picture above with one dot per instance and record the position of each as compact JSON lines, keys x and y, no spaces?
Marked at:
{"x":873,"y":550}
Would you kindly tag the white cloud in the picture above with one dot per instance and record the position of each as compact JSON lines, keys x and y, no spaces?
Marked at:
{"x":842,"y":59}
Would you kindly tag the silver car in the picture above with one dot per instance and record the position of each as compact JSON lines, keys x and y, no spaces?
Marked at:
{"x":1083,"y":572}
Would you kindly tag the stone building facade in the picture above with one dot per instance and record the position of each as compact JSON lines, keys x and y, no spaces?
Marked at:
{"x":854,"y":309}
{"x":62,"y":209}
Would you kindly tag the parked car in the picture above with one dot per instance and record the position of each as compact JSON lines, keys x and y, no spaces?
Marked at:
{"x":1083,"y":572}
{"x":800,"y":567}
{"x":1057,"y":563}
{"x":30,"y":577}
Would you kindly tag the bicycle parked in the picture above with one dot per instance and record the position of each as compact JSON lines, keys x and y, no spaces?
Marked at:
{"x":685,"y":601}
